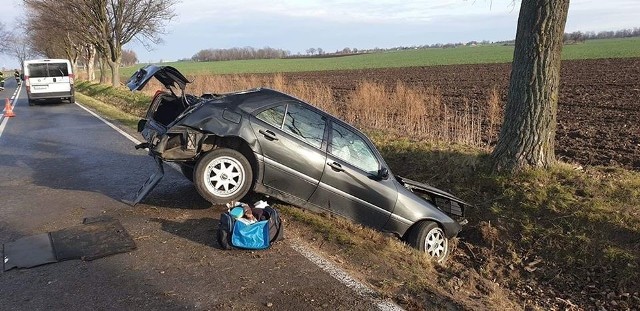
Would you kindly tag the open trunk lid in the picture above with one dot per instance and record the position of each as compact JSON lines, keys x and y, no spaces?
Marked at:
{"x":167,"y":75}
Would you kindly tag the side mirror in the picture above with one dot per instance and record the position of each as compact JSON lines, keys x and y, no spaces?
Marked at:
{"x":383,"y":173}
{"x":141,"y":125}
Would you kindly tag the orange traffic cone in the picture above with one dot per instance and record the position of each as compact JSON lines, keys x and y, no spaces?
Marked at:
{"x":8,"y":110}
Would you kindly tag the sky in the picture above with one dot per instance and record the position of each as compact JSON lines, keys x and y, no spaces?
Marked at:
{"x":297,"y":25}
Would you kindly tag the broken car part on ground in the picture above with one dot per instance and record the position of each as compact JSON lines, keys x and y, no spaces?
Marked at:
{"x":271,"y":143}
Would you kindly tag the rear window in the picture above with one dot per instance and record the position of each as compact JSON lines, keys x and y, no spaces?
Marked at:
{"x":47,"y":70}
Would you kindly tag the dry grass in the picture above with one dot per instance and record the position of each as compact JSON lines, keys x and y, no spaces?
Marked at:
{"x":419,"y":112}
{"x":494,"y":113}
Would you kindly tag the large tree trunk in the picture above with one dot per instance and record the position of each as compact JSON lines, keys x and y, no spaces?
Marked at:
{"x":115,"y":72}
{"x":103,"y":70}
{"x":90,"y":61}
{"x":527,"y":136}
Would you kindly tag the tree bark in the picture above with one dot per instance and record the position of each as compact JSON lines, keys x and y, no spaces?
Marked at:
{"x":115,"y":71}
{"x":90,"y":60}
{"x":103,"y":70}
{"x":527,"y":136}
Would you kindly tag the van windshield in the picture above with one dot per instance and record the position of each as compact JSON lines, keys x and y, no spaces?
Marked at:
{"x":47,"y":70}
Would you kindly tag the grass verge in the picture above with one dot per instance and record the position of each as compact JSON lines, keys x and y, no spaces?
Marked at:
{"x":563,"y":238}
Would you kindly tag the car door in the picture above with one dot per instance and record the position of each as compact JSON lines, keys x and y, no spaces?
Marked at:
{"x":351,"y":184}
{"x":291,"y":137}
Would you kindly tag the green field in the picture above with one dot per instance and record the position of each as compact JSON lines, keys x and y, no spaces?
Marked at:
{"x":592,"y":49}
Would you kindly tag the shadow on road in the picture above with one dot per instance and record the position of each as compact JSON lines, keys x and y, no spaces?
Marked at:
{"x":202,"y":231}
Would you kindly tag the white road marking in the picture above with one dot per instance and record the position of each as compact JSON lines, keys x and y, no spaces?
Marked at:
{"x":123,"y":133}
{"x":3,"y":124}
{"x":361,"y":289}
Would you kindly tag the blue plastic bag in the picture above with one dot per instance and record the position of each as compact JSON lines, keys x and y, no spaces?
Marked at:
{"x":251,"y":236}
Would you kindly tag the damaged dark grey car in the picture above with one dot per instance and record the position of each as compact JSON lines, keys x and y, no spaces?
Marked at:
{"x":271,"y":143}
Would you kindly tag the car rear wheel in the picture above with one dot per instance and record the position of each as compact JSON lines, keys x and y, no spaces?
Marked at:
{"x":223,"y":175}
{"x":428,"y":237}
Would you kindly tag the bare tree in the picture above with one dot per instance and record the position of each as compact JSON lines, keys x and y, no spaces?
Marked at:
{"x":109,"y":24}
{"x":129,"y":58}
{"x":18,"y":48}
{"x":4,"y":39}
{"x":120,"y":21}
{"x":53,"y":35}
{"x":527,"y":136}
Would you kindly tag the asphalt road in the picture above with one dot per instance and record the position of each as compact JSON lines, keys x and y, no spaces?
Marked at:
{"x":59,"y":164}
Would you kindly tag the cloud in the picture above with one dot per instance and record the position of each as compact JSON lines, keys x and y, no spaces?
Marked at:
{"x":338,"y":11}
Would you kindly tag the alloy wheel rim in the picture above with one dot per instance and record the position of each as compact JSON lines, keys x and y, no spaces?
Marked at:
{"x":224,"y":176}
{"x":435,"y":244}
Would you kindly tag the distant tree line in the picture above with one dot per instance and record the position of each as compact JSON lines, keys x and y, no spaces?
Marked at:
{"x":239,"y":54}
{"x":579,"y":36}
{"x":267,"y":52}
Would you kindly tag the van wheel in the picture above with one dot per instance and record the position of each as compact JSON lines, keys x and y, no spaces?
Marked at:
{"x":223,"y":175}
{"x":31,"y":102}
{"x":72,"y":100}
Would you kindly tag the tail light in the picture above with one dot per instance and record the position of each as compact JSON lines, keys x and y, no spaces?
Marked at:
{"x":27,"y":84}
{"x":71,"y":78}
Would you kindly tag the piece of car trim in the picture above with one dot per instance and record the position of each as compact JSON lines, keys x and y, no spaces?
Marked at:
{"x":288,"y":170}
{"x":351,"y":197}
{"x":401,"y":219}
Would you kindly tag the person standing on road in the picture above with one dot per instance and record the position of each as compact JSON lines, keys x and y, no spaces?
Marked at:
{"x":1,"y":81}
{"x":17,"y":75}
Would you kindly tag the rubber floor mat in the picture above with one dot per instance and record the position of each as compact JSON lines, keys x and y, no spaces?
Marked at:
{"x":95,"y":238}
{"x":28,"y":252}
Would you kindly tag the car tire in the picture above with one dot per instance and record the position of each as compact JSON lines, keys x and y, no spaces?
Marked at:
{"x":72,"y":100}
{"x":31,"y":102}
{"x":187,"y":171}
{"x":428,"y":237}
{"x":222,"y":176}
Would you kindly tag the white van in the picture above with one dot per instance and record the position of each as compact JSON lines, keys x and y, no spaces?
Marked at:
{"x":48,"y":79}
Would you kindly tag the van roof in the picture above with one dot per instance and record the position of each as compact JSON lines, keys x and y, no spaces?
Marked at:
{"x":47,"y":60}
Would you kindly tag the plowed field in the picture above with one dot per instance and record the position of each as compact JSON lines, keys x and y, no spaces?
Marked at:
{"x":598,"y":111}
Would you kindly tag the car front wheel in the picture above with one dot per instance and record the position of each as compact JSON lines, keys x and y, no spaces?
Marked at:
{"x":428,"y":237}
{"x":223,"y":175}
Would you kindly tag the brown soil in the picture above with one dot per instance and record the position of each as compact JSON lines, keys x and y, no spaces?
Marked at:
{"x":598,"y":109}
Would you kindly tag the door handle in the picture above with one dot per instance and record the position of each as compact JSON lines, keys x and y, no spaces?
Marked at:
{"x":336,"y":166}
{"x":268,"y":134}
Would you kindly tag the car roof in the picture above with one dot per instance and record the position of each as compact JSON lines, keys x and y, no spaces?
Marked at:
{"x":259,"y":98}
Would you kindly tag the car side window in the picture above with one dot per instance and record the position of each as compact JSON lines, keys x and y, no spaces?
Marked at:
{"x":350,"y":147}
{"x":305,"y":124}
{"x":273,"y":116}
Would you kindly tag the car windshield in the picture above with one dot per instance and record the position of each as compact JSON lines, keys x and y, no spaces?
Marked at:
{"x":48,"y":70}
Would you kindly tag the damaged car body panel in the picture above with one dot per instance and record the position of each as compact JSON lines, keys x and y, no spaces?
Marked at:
{"x":268,"y":142}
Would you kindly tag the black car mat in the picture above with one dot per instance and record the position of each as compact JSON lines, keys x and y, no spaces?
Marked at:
{"x":97,"y":237}
{"x":28,"y":252}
